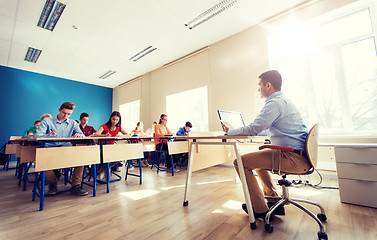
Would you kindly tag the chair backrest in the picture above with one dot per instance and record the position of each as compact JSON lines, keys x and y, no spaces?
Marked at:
{"x":312,"y":147}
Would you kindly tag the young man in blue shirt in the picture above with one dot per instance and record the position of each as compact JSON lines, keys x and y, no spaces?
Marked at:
{"x":63,"y":127}
{"x":183,"y":131}
{"x":285,"y":127}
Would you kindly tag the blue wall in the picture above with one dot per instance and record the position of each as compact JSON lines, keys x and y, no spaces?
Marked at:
{"x":25,"y":96}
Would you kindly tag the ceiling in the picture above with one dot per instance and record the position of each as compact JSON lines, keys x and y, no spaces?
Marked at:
{"x":94,"y":36}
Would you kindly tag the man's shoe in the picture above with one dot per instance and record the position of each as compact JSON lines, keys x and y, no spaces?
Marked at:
{"x":78,"y":191}
{"x":52,"y":189}
{"x":258,"y":215}
{"x":279,"y":210}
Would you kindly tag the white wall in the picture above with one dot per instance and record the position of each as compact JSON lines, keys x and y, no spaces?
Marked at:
{"x":229,"y":67}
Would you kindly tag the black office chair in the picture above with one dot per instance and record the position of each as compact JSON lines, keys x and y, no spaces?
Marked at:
{"x":311,"y":150}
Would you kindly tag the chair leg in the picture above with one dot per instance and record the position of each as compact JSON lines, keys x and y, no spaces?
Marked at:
{"x":272,"y":209}
{"x":310,"y":202}
{"x":322,"y":229}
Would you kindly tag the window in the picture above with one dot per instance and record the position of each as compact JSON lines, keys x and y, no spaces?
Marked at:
{"x":329,"y":69}
{"x":189,"y":106}
{"x":130,"y":113}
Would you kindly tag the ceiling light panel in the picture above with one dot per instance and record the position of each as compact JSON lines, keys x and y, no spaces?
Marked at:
{"x":32,"y":55}
{"x":142,"y":53}
{"x":107,"y":74}
{"x":210,"y":13}
{"x":50,"y":15}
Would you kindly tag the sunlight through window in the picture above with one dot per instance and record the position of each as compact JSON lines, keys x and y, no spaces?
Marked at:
{"x":332,"y":59}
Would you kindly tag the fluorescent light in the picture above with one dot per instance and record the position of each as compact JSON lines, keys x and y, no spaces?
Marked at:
{"x":107,"y":74}
{"x":32,"y":55}
{"x":50,"y":15}
{"x":142,"y":53}
{"x":210,"y":13}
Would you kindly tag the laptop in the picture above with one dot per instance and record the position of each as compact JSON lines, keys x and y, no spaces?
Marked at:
{"x":231,"y":119}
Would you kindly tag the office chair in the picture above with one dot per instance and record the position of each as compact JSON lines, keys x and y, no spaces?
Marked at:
{"x":311,"y":150}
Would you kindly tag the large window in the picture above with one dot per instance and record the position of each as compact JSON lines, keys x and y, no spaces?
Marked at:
{"x":130,"y":113}
{"x":189,"y":106}
{"x":329,"y":69}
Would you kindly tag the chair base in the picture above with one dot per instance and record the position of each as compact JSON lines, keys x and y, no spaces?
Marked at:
{"x":286,"y":200}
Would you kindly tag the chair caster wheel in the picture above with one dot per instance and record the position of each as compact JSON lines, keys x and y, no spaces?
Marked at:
{"x":253,"y":225}
{"x":322,"y":217}
{"x":269,"y":228}
{"x":322,"y":235}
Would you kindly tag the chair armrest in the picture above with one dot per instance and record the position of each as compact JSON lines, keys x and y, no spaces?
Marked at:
{"x":290,"y":149}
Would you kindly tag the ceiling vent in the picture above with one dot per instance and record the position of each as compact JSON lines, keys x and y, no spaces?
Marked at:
{"x":32,"y":55}
{"x":142,"y":53}
{"x":210,"y":13}
{"x":107,"y":74}
{"x":50,"y":14}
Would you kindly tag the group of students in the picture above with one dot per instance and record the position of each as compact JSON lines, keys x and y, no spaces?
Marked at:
{"x":64,"y":127}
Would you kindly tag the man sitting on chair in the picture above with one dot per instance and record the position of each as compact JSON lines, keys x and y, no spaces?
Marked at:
{"x":285,"y":127}
{"x":62,"y":127}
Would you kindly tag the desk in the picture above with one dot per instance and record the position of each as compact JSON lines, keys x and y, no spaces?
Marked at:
{"x":196,"y":142}
{"x":66,"y":157}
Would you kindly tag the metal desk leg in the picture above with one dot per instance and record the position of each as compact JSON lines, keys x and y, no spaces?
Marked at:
{"x":42,"y":196}
{"x":95,"y":180}
{"x":108,"y":177}
{"x":244,"y":187}
{"x":188,"y":177}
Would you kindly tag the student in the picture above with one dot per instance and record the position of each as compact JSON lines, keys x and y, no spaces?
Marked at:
{"x":138,"y":132}
{"x":183,"y":131}
{"x":285,"y":127}
{"x":111,"y":129}
{"x":63,"y":127}
{"x":87,"y":130}
{"x":150,"y":131}
{"x":33,"y":129}
{"x":46,"y":115}
{"x":160,"y":130}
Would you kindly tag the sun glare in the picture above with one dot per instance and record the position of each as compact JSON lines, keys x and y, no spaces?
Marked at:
{"x":137,"y":195}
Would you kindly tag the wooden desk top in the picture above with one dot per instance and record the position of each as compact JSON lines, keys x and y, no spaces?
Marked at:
{"x":55,"y":139}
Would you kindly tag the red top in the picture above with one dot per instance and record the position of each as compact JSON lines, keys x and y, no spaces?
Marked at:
{"x":113,"y":134}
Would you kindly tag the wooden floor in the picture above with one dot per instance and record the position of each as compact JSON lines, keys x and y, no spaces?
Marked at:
{"x":154,"y":210}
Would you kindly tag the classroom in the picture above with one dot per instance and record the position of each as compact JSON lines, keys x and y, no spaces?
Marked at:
{"x":188,"y":60}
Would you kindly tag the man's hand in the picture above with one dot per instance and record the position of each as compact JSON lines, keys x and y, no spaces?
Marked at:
{"x":52,"y":133}
{"x":225,"y":128}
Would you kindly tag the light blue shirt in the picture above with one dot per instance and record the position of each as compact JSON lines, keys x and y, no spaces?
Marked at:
{"x":284,"y":124}
{"x":65,"y":129}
